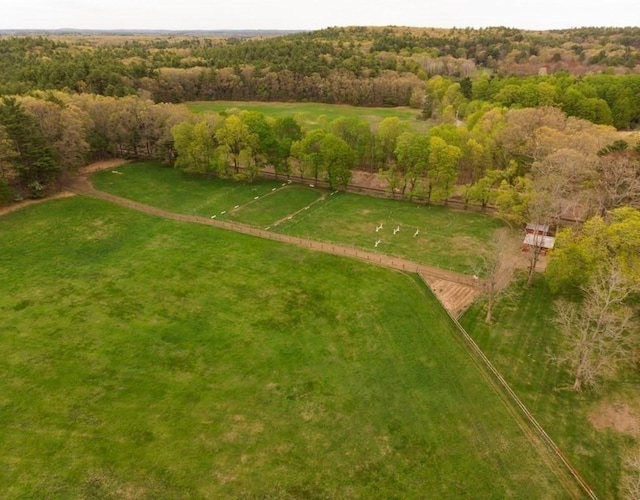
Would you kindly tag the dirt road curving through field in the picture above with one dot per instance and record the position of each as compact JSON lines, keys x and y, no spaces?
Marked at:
{"x":456,"y":291}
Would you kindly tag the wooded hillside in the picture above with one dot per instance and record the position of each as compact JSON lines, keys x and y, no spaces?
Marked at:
{"x":591,"y":73}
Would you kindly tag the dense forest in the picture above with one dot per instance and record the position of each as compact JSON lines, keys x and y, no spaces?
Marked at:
{"x":590,"y":73}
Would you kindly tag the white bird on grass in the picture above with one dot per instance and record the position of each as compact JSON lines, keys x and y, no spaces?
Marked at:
{"x":416,"y":233}
{"x":378,"y":228}
{"x":377,"y":243}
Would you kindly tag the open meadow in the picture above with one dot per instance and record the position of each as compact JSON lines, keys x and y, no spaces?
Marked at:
{"x":146,"y":358}
{"x":310,"y":114}
{"x":428,"y":234}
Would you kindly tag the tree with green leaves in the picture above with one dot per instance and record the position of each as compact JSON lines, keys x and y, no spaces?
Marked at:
{"x":442,"y":166}
{"x":196,"y":147}
{"x":386,"y":137}
{"x":266,"y":144}
{"x":601,"y":264}
{"x":410,"y":167}
{"x":307,"y":153}
{"x":483,"y":190}
{"x":338,"y":160}
{"x":580,"y":253}
{"x":513,"y":195}
{"x":356,"y":132}
{"x":286,"y":131}
{"x":237,"y":144}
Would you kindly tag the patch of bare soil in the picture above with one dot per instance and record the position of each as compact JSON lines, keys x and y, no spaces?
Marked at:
{"x":618,"y":416}
{"x":369,"y":180}
{"x":455,"y":297}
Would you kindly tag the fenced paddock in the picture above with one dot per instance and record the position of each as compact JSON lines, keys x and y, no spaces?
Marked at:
{"x":448,"y":239}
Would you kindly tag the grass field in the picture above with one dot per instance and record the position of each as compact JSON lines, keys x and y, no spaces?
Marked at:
{"x":519,"y":344}
{"x":311,"y":115}
{"x":144,"y":358}
{"x":446,"y":238}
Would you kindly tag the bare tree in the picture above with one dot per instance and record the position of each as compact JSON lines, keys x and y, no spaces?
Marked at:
{"x":619,"y":182}
{"x":498,"y":264}
{"x":565,"y":176}
{"x":631,"y":477}
{"x":541,"y":214}
{"x":598,"y":334}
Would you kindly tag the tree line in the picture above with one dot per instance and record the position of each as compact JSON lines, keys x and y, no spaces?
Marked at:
{"x":512,"y":159}
{"x":601,"y":99}
{"x":357,"y":66}
{"x":45,"y":137}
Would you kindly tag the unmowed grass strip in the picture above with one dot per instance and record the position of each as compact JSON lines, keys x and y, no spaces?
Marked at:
{"x":145,"y":358}
{"x":310,"y":115}
{"x":520,"y":343}
{"x":446,"y":238}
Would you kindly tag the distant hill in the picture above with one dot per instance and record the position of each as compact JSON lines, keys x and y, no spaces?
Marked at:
{"x":222,"y":33}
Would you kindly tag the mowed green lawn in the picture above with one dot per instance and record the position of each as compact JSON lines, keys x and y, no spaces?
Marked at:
{"x":434,"y":235}
{"x":144,"y":358}
{"x":520,"y":344}
{"x":311,"y":115}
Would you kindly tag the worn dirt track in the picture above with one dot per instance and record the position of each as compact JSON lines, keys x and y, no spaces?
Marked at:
{"x":456,"y":291}
{"x":439,"y":280}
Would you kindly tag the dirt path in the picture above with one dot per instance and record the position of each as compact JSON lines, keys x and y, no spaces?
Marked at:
{"x":81,"y":185}
{"x":93,"y":167}
{"x":25,"y":203}
{"x":102,"y":165}
{"x":455,"y":291}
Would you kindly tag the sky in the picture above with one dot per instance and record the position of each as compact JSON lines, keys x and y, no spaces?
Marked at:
{"x":311,"y":15}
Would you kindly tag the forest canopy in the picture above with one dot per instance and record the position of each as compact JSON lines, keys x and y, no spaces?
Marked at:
{"x":590,"y":73}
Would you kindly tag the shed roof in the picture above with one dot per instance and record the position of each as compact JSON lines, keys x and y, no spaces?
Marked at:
{"x":537,"y":228}
{"x":541,"y":241}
